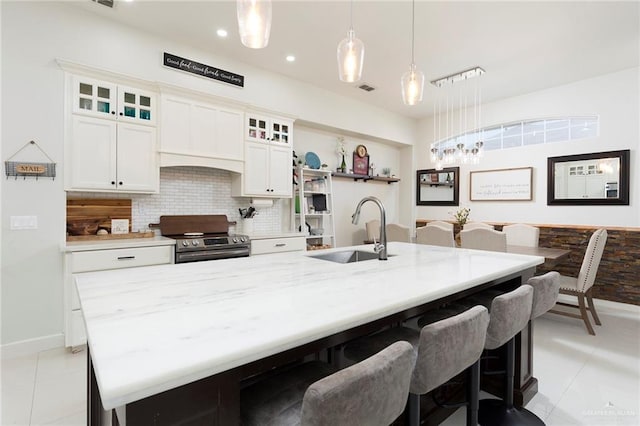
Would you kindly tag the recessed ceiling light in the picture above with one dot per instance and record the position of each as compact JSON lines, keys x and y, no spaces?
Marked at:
{"x":222,"y":33}
{"x":290,"y":58}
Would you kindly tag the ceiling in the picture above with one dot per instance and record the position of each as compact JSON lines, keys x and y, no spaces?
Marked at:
{"x":523,"y":46}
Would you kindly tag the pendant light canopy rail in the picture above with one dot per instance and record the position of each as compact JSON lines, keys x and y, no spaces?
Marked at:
{"x":459,"y":76}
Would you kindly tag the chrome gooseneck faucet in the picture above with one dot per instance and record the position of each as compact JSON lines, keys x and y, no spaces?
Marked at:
{"x":380,"y":247}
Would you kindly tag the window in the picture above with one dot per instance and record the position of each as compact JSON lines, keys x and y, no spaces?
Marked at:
{"x":530,"y":132}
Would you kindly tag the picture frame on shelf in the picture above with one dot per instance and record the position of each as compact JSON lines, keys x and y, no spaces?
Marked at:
{"x":360,"y":164}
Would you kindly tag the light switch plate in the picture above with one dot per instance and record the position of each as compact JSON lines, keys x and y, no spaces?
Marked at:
{"x":24,"y":222}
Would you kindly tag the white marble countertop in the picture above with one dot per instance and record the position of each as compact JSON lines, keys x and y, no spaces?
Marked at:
{"x":73,"y":246}
{"x":154,"y":328}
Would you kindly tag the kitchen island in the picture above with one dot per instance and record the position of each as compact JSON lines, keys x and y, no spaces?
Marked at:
{"x":157,"y":333}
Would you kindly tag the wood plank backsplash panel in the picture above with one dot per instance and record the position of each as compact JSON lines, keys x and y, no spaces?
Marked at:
{"x":102,"y":209}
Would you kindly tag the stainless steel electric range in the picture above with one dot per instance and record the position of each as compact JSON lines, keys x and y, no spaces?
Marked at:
{"x":203,"y":237}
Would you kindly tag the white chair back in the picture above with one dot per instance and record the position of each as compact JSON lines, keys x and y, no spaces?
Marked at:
{"x":435,"y":236}
{"x":373,"y":230}
{"x":397,"y":232}
{"x":591,"y":260}
{"x":520,"y":234}
{"x":484,"y":239}
{"x":476,"y":225}
{"x":441,"y":224}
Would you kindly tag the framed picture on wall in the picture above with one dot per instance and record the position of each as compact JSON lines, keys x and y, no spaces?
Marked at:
{"x":360,"y":164}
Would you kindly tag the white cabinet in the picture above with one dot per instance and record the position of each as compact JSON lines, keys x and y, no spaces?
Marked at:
{"x":312,"y":209}
{"x":101,"y":260}
{"x":261,"y":128}
{"x":111,"y":138}
{"x":107,"y":156}
{"x":107,"y":100}
{"x":267,"y":158}
{"x":267,"y":170}
{"x":199,"y":133}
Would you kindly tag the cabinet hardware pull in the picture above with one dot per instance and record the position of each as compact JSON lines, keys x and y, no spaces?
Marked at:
{"x":281,"y":245}
{"x":120,"y":183}
{"x":126,"y":257}
{"x":121,"y":114}
{"x":113,"y":182}
{"x":113,"y":112}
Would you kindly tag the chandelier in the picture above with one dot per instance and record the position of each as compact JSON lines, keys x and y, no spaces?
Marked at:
{"x":467,"y":146}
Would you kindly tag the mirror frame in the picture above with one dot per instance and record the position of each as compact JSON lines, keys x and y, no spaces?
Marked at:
{"x":456,"y":187}
{"x":623,"y":184}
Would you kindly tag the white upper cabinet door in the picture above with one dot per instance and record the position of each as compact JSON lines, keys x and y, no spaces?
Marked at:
{"x":92,"y":155}
{"x":94,"y":98}
{"x":257,"y":129}
{"x":136,"y":106}
{"x":175,"y":126}
{"x":137,"y":165}
{"x":281,"y":131}
{"x":256,"y":178}
{"x":229,"y":141}
{"x":280,"y":172}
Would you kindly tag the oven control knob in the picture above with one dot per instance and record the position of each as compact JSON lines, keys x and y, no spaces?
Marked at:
{"x":243,"y":239}
{"x":235,"y":240}
{"x":185,"y":243}
{"x":195,"y":242}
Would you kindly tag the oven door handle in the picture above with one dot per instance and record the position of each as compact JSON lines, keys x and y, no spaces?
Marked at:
{"x":211,"y":254}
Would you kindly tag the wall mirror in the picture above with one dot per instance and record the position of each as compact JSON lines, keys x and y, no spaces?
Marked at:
{"x":438,"y":187}
{"x":600,"y":178}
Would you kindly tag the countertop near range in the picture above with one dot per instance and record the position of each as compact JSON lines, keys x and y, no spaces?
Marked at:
{"x":276,"y":235}
{"x":154,"y":328}
{"x":74,"y":246}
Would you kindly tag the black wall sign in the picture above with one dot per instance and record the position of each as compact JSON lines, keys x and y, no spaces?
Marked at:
{"x":203,"y":70}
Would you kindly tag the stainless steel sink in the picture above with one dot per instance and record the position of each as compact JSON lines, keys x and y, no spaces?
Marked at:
{"x":347,"y":256}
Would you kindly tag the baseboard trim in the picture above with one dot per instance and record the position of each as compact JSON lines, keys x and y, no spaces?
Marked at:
{"x":31,"y":346}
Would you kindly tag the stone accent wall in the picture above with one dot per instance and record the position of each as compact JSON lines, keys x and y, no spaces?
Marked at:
{"x":618,"y":277}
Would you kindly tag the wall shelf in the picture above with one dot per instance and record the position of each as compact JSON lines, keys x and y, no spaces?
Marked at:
{"x":364,"y":177}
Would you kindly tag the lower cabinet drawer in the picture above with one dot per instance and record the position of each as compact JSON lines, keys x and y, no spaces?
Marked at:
{"x":277,"y":245}
{"x":101,"y":260}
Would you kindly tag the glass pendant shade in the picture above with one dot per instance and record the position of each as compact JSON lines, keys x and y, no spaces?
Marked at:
{"x":412,"y":86}
{"x":350,"y":58}
{"x":254,"y":22}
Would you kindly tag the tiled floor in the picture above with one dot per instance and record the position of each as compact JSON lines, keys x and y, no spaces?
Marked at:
{"x":583,"y":380}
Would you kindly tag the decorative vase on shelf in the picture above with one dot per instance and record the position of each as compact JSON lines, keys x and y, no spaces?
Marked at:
{"x":343,"y":166}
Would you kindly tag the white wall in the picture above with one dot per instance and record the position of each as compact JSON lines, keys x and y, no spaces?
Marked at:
{"x":613,"y":97}
{"x":346,"y":192}
{"x":34,"y":35}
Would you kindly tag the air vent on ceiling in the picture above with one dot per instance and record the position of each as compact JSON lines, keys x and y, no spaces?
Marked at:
{"x":366,"y":87}
{"x":108,"y":3}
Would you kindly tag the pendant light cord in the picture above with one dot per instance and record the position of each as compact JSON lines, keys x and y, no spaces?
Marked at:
{"x":351,"y":16}
{"x":413,"y":24}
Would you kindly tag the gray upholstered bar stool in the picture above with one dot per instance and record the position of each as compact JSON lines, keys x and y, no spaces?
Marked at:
{"x":372,"y":392}
{"x":445,"y":348}
{"x":509,"y":314}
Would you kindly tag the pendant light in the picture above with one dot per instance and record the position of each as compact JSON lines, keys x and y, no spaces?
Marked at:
{"x":412,"y":80}
{"x":350,"y":55}
{"x":254,"y":22}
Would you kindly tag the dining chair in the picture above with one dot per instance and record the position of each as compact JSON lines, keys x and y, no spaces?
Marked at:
{"x":373,"y":230}
{"x":520,"y":234}
{"x":581,"y":286}
{"x":476,"y":225}
{"x":483,"y":239}
{"x":372,"y":392}
{"x":435,"y":235}
{"x":441,"y":224}
{"x":396,"y":232}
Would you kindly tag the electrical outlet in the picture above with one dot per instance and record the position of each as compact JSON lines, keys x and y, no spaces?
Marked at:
{"x":24,"y":222}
